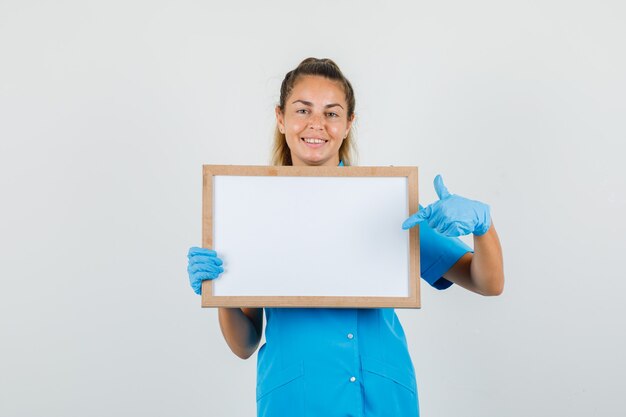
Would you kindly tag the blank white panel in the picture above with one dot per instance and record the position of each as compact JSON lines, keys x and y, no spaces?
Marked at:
{"x":311,"y":236}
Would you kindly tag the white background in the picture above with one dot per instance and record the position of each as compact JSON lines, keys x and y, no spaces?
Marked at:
{"x":109,"y":109}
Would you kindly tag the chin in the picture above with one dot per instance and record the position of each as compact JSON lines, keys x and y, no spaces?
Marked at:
{"x":314,"y":162}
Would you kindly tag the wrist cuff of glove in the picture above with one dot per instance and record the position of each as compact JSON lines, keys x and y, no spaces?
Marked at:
{"x":484,"y":226}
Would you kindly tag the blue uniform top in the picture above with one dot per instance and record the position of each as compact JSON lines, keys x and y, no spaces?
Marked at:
{"x":346,"y":362}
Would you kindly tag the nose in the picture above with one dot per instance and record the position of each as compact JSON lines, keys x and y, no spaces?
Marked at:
{"x":316,"y":122}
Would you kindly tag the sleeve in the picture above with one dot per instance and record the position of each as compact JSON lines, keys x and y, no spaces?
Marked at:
{"x":438,"y":253}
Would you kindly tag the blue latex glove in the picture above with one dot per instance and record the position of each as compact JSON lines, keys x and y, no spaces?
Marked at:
{"x":203,"y":264}
{"x":452,"y":215}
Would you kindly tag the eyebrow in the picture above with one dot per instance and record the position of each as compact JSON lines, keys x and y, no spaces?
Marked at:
{"x":308,"y":103}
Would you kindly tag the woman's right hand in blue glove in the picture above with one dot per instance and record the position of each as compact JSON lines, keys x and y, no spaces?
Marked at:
{"x":203,"y":264}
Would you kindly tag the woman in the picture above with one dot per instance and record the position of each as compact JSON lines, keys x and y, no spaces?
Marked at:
{"x":340,"y":362}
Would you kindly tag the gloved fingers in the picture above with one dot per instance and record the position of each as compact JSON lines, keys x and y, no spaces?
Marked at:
{"x":197,"y":287}
{"x":196,"y":280}
{"x":437,"y":223}
{"x":204,"y":275}
{"x":203,"y":255}
{"x":426,"y":212}
{"x":440,"y":219}
{"x":411,"y":222}
{"x":204,"y":259}
{"x":195,"y":251}
{"x":203,"y":264}
{"x":454,"y":229}
{"x":440,"y":188}
{"x":420,"y":216}
{"x":204,"y":267}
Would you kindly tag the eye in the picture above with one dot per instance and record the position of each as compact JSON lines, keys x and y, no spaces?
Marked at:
{"x":332,"y":114}
{"x":302,"y":111}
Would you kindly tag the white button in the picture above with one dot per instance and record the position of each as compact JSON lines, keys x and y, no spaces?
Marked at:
{"x":350,"y":336}
{"x":352,"y":379}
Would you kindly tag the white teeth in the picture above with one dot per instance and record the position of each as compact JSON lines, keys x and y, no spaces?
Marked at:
{"x":313,"y":140}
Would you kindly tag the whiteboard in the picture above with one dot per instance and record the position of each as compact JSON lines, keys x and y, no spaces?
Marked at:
{"x":311,"y":236}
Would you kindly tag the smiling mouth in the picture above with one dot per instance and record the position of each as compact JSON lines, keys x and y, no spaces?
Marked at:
{"x":314,"y":141}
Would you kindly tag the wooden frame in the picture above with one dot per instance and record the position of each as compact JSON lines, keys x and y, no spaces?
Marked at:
{"x":412,"y":300}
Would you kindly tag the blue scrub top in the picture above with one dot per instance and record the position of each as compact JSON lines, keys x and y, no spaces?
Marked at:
{"x":346,"y":362}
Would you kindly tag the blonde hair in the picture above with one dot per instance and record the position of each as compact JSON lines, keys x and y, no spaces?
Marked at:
{"x":281,"y":155}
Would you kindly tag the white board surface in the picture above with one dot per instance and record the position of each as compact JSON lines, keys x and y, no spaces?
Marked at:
{"x":311,"y":236}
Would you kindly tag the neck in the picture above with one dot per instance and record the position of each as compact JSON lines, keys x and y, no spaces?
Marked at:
{"x":330,"y":162}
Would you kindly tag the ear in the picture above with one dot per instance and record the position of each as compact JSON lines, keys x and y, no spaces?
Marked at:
{"x":349,"y":125}
{"x":280,"y":119}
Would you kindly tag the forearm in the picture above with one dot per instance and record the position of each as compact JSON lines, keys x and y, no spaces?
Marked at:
{"x":241,"y":329}
{"x":486,"y":269}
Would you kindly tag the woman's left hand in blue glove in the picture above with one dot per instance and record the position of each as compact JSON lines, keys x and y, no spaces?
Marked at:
{"x":452,"y":215}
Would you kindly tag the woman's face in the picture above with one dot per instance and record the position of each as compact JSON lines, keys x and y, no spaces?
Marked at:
{"x":315,"y":121}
